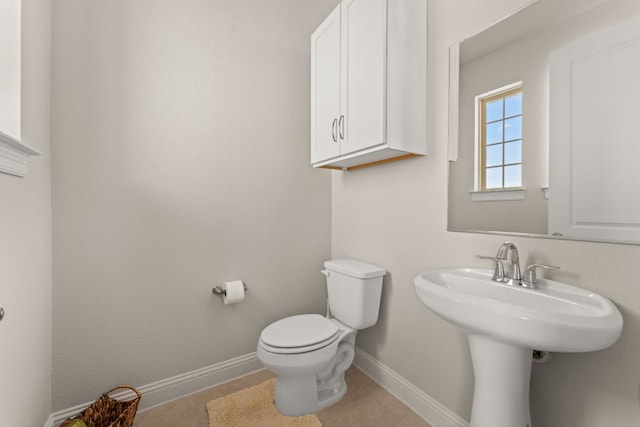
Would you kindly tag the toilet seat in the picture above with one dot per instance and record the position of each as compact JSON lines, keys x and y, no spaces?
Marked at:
{"x":299,"y":334}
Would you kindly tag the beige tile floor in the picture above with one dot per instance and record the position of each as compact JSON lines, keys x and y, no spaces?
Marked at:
{"x":366,"y":404}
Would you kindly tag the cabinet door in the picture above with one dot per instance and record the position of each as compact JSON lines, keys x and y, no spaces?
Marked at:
{"x":364,"y":29}
{"x":325,"y":88}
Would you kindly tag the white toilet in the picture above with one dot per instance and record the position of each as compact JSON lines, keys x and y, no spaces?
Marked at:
{"x":309,"y":353}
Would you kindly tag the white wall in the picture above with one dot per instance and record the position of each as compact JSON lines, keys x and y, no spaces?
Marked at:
{"x":396,"y":216}
{"x":25,"y":242}
{"x":181,"y":159}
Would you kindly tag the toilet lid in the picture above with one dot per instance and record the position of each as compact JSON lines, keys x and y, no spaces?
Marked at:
{"x":300,"y":331}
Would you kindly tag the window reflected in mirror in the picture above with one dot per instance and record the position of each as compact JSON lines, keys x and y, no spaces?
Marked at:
{"x":500,"y":138}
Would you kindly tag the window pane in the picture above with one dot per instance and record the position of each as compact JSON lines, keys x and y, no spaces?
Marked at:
{"x":513,"y":129}
{"x":500,"y":138}
{"x":494,"y":155}
{"x":494,"y":132}
{"x":513,"y":176}
{"x":513,"y":152}
{"x":494,"y":178}
{"x":494,"y":110}
{"x":513,"y":105}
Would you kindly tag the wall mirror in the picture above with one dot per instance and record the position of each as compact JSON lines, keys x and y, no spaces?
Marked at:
{"x":542,"y":107}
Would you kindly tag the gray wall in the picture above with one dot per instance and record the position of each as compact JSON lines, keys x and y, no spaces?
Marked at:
{"x":396,"y":215}
{"x":25,"y":242}
{"x":181,"y":159}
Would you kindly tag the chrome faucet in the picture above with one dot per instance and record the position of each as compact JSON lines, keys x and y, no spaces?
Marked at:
{"x":508,"y":253}
{"x":498,"y":272}
{"x":530,"y":280}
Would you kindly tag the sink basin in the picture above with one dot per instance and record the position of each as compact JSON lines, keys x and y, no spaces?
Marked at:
{"x":554,"y":317}
{"x":505,"y":323}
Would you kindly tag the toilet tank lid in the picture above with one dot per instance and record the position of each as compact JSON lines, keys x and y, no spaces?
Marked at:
{"x":354,"y":268}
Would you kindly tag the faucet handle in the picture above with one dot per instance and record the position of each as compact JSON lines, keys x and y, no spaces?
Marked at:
{"x":530,"y":279}
{"x":498,"y":273}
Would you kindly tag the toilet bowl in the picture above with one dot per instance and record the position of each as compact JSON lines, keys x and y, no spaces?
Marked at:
{"x":310,"y":376}
{"x":310,"y":353}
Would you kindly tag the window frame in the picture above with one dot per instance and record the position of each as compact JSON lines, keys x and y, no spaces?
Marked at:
{"x":480,"y":137}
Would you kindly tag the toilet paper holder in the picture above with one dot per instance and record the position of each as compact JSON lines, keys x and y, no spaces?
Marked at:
{"x":217,"y":290}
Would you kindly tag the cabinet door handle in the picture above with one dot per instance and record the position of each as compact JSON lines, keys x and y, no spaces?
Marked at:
{"x":341,"y":127}
{"x":334,"y":129}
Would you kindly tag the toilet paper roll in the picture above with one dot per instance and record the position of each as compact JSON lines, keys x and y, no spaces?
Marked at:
{"x":234,"y":292}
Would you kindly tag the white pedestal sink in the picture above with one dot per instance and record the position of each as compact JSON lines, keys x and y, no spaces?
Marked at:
{"x":505,"y":323}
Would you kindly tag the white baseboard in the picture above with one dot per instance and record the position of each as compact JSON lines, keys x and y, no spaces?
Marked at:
{"x":173,"y":388}
{"x":192,"y":382}
{"x":420,"y":402}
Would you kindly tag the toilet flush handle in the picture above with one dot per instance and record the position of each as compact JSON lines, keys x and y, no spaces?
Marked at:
{"x":325,"y":272}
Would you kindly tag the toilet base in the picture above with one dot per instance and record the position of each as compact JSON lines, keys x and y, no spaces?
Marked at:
{"x":296,"y":395}
{"x":305,"y":394}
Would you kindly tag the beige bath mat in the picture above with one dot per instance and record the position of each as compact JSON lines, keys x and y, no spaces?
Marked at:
{"x":253,"y":407}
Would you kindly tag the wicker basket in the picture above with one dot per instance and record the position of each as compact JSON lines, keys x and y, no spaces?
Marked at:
{"x":109,"y":412}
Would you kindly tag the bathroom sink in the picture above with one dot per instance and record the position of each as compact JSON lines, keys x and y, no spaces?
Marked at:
{"x":555,"y":317}
{"x":505,"y":322}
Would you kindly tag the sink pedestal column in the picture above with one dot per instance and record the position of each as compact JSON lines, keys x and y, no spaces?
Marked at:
{"x":502,"y":373}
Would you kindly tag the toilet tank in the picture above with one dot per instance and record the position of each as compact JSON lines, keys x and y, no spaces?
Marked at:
{"x":354,"y":289}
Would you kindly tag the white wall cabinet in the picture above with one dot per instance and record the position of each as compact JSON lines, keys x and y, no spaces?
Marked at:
{"x":368,"y":84}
